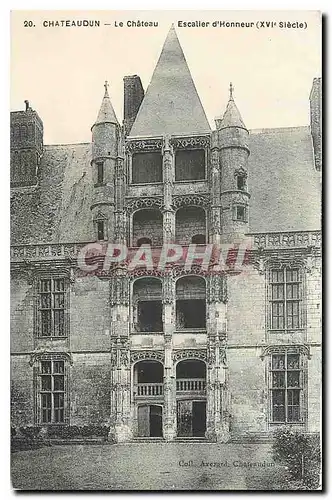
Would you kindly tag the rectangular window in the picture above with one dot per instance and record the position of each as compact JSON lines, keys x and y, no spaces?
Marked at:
{"x":240,"y":182}
{"x":52,"y":307}
{"x":147,"y":168}
{"x":190,"y":165}
{"x":52,"y":392}
{"x":100,"y":172}
{"x":285,"y":387}
{"x":240,"y":213}
{"x":100,"y":230}
{"x":285,"y":299}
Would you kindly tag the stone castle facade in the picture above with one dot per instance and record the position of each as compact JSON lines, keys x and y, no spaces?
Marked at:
{"x":176,"y":352}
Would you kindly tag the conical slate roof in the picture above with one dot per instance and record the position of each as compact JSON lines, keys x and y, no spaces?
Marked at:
{"x":106,"y":113}
{"x":231,"y":117}
{"x":171,"y":104}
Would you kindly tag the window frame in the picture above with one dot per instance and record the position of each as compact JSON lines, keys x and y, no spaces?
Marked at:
{"x":286,"y":388}
{"x":131,"y":167}
{"x":52,"y":391}
{"x":52,"y":292}
{"x":285,"y":300}
{"x":203,"y":179}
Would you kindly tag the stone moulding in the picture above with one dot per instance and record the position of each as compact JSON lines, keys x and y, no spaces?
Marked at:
{"x":178,"y":355}
{"x":142,"y":355}
{"x":281,"y":349}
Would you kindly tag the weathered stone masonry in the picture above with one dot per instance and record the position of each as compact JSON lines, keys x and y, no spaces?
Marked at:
{"x":169,"y":353}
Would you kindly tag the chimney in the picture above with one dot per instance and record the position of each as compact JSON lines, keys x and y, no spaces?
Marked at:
{"x":27,"y":105}
{"x":133,"y":96}
{"x":315,"y":120}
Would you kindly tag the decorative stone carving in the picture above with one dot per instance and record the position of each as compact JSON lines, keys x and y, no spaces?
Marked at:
{"x":301,"y":239}
{"x":140,"y":355}
{"x":189,"y":354}
{"x":191,"y":142}
{"x":168,"y":290}
{"x":133,"y":204}
{"x":119,"y":290}
{"x":144,"y":145}
{"x":200,"y":200}
{"x":41,"y":354}
{"x":216,"y":289}
{"x":289,"y":348}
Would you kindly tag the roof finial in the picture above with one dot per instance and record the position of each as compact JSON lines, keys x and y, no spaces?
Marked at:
{"x":231,"y":90}
{"x":106,"y":88}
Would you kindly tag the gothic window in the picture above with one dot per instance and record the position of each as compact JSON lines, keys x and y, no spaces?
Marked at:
{"x":147,"y":168}
{"x":100,"y":172}
{"x":285,"y":299}
{"x":190,"y":303}
{"x":286,"y":386}
{"x":51,"y":391}
{"x":51,"y":307}
{"x":190,"y":165}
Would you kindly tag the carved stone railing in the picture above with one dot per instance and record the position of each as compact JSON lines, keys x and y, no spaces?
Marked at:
{"x":41,"y":251}
{"x":289,"y":239}
{"x":149,"y":389}
{"x":281,"y":240}
{"x":190,"y":385}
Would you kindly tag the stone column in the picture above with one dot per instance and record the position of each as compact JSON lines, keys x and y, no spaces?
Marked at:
{"x":168,"y":297}
{"x":217,"y":417}
{"x":120,"y":229}
{"x":168,"y":183}
{"x":214,"y":180}
{"x":121,"y":426}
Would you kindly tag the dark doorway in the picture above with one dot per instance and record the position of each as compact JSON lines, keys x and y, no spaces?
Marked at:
{"x":191,"y":418}
{"x":150,"y":421}
{"x":199,"y":418}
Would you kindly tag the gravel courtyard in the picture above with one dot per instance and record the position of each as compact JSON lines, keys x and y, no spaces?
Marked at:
{"x":148,"y":466}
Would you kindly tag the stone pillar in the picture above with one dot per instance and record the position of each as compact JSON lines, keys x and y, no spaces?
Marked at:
{"x":168,"y":183}
{"x":214,"y":180}
{"x":120,"y":420}
{"x":168,"y":297}
{"x":120,"y":227}
{"x":217,"y":417}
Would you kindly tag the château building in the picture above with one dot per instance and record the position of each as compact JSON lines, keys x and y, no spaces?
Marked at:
{"x":179,"y":351}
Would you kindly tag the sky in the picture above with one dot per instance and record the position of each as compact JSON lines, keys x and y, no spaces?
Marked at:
{"x":61,"y":71}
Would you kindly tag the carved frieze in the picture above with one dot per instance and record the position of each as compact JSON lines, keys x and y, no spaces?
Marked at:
{"x":200,"y":200}
{"x":133,"y":204}
{"x":191,"y":142}
{"x":141,"y":355}
{"x":144,"y":145}
{"x":189,"y":354}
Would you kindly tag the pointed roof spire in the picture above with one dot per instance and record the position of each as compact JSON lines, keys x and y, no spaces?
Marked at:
{"x":106,"y":113}
{"x":171,"y":104}
{"x":231,"y":117}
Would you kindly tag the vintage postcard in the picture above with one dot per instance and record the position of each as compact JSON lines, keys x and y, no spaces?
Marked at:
{"x":165,"y":177}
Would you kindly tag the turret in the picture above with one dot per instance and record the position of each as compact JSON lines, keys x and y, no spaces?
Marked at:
{"x":26,"y":146}
{"x":233,"y":156}
{"x":105,"y":149}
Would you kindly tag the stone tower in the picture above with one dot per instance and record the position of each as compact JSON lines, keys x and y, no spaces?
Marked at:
{"x":231,"y":140}
{"x":26,"y":146}
{"x":105,"y":150}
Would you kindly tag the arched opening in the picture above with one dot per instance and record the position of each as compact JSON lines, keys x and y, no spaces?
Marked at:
{"x":198,"y":239}
{"x":148,"y":385}
{"x":190,"y":303}
{"x":191,"y":403}
{"x":144,"y":241}
{"x":147,"y":223}
{"x":147,"y":305}
{"x":189,"y":221}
